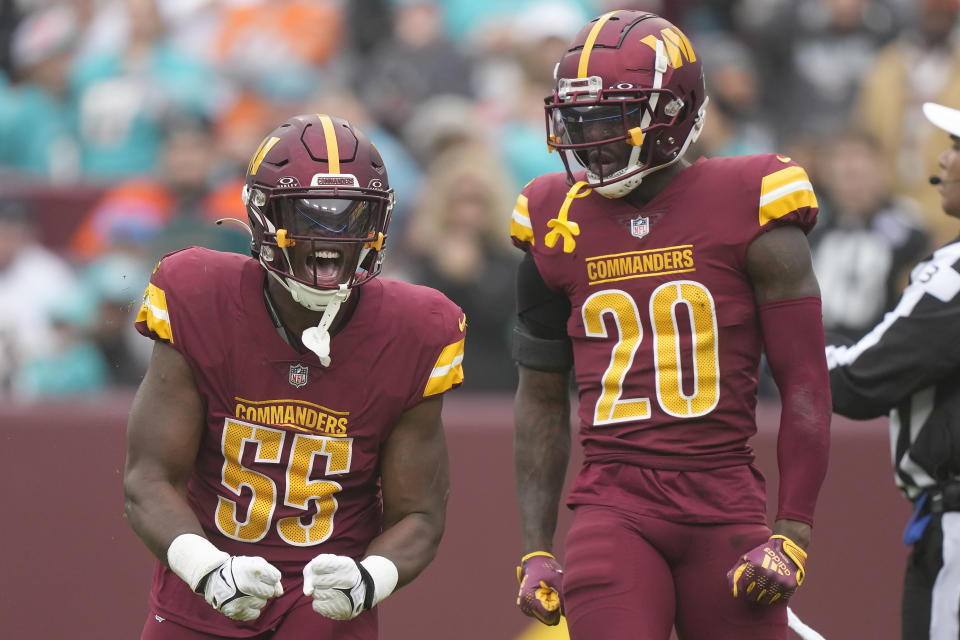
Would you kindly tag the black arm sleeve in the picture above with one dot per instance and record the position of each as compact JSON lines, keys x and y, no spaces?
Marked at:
{"x":540,"y":339}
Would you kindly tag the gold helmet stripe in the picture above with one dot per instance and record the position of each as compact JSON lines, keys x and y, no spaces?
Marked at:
{"x":333,"y":150}
{"x":588,"y":45}
{"x":262,"y":150}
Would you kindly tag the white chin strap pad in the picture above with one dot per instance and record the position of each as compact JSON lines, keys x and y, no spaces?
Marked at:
{"x":317,"y":338}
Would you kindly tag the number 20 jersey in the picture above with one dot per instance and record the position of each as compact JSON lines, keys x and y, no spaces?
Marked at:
{"x":288,"y":465}
{"x":663,"y":322}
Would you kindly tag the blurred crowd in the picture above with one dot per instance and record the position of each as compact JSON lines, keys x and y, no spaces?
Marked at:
{"x":126,"y":127}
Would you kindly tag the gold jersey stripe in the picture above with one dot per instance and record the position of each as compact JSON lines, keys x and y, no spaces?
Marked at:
{"x":448,"y":370}
{"x":780,"y":178}
{"x":261,"y":153}
{"x":786,"y":204}
{"x":591,"y":40}
{"x":154,"y":312}
{"x":520,"y":226}
{"x":784,"y":191}
{"x":333,"y":149}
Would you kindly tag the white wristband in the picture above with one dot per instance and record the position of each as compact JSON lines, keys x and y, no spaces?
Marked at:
{"x":384,"y":574}
{"x":191,"y":557}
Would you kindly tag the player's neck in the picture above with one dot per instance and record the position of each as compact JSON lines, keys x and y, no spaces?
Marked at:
{"x":653,"y":184}
{"x":296,"y":318}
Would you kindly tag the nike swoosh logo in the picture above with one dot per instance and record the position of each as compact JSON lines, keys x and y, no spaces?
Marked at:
{"x":462,"y":322}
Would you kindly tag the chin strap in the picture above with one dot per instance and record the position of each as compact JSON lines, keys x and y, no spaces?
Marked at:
{"x":317,"y":338}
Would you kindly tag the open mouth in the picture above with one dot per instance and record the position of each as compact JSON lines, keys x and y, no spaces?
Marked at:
{"x":603,"y":162}
{"x":324,"y":266}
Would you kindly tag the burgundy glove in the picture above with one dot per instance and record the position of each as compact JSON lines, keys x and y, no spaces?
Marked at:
{"x":540,"y":578}
{"x":769,"y":573}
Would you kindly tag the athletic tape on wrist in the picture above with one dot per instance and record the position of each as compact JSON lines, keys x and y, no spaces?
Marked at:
{"x":383,"y":574}
{"x":192,"y":557}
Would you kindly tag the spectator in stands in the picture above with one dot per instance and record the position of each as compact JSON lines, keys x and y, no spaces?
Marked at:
{"x":471,"y":21}
{"x":519,"y":77}
{"x":33,"y":280}
{"x":126,"y":96}
{"x":736,"y":125}
{"x":865,"y":241}
{"x":416,"y":63}
{"x":279,"y":47}
{"x":177,"y":206}
{"x":9,"y":18}
{"x":114,"y":285}
{"x":70,"y":362}
{"x":922,"y":64}
{"x":812,"y":55}
{"x":456,"y":237}
{"x":37,"y":120}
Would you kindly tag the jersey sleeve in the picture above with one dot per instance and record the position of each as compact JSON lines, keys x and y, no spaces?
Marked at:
{"x":443,"y":336}
{"x":785,"y":194}
{"x":153,"y":318}
{"x":521,"y":227}
{"x":185,"y":297}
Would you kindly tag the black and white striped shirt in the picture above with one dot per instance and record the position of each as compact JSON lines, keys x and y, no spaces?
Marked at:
{"x":909,"y":366}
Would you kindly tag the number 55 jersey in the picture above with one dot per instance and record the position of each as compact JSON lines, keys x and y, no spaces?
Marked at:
{"x":664,"y":329}
{"x":288,"y":464}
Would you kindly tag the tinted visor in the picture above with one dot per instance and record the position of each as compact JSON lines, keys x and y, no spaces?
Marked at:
{"x":328,"y":217}
{"x":596,"y":123}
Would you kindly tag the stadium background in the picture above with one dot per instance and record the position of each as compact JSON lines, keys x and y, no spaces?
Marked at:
{"x":450,"y":91}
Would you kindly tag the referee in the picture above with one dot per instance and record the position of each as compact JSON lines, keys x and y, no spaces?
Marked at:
{"x":909,"y":365}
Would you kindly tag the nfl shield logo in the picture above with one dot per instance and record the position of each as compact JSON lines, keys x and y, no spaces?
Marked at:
{"x":298,"y":375}
{"x":639,"y":227}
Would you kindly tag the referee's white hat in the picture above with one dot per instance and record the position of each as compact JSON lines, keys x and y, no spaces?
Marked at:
{"x":944,"y":117}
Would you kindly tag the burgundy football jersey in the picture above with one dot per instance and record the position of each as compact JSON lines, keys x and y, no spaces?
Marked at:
{"x":664,"y":327}
{"x":288,"y":463}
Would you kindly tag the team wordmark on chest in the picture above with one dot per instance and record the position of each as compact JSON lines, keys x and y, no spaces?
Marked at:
{"x":296,"y":414}
{"x":640,"y":264}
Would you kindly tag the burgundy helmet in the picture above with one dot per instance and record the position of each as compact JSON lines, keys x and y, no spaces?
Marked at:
{"x":318,"y":179}
{"x":629,"y":99}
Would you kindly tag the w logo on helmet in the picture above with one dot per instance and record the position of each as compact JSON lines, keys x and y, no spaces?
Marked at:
{"x":679,"y":49}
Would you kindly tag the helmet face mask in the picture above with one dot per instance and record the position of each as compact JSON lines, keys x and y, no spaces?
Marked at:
{"x":322,"y":242}
{"x":629,"y":99}
{"x":319,"y":205}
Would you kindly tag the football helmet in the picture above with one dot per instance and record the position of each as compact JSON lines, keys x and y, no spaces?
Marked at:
{"x":319,"y":205}
{"x":629,"y":99}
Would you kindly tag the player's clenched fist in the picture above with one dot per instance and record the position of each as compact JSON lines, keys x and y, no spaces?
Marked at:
{"x":241,"y":586}
{"x":342,"y":588}
{"x":769,"y":573}
{"x":236,"y":586}
{"x":540,"y":579}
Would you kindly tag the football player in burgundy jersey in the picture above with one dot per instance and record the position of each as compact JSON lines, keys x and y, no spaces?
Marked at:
{"x":660,"y":281}
{"x":286,"y":461}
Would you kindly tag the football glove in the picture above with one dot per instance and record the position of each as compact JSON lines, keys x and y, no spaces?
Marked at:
{"x":342,"y":588}
{"x":769,"y":573}
{"x":540,"y":578}
{"x":236,"y":586}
